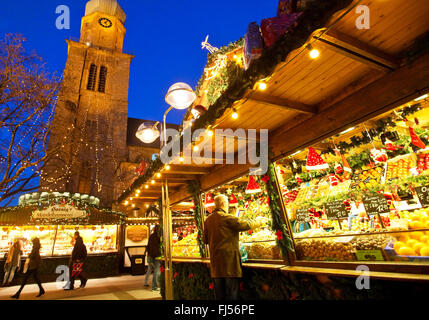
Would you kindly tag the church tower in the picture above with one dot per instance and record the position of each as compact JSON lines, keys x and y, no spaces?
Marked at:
{"x":88,"y":138}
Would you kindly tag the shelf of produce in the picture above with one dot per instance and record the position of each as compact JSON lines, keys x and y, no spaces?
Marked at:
{"x":353,"y":273}
{"x":391,"y":268}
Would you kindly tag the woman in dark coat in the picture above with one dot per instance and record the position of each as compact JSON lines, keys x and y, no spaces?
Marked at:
{"x":78,"y":257}
{"x":33,"y":267}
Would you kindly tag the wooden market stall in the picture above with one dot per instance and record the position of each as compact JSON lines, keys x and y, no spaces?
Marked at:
{"x":360,"y":77}
{"x":54,"y":218}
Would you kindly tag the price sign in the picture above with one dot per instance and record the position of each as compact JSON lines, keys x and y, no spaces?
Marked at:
{"x":336,"y":210}
{"x":369,"y":255}
{"x":302,"y":215}
{"x":423,"y":194}
{"x":376,"y":204}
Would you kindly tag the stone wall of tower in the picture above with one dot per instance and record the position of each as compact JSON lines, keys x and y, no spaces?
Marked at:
{"x":89,"y":129}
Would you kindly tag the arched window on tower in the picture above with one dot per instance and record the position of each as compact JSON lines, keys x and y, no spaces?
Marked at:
{"x":102,"y":79}
{"x":92,"y":77}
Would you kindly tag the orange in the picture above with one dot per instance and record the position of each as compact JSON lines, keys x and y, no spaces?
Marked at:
{"x":398,"y":245}
{"x":417,"y":225}
{"x":418,"y":246}
{"x":425,"y":239}
{"x":424,"y":251}
{"x":406,"y":251}
{"x":411,"y":242}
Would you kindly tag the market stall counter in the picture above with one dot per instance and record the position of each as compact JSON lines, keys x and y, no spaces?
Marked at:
{"x":54,"y":218}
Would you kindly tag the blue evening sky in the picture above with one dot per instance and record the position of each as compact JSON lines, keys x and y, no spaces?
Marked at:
{"x":165,"y":36}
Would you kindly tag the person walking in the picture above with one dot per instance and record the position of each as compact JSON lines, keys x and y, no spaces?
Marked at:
{"x":33,"y":266}
{"x":221,"y":233}
{"x":77,"y":263}
{"x":13,"y":261}
{"x":153,"y":252}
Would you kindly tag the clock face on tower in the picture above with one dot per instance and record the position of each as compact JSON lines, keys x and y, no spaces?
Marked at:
{"x":105,"y":23}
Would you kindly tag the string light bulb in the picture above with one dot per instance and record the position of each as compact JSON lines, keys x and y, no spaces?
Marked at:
{"x":234,"y":114}
{"x":314,"y":53}
{"x":146,"y":187}
{"x":262,"y":86}
{"x":196,"y":148}
{"x":210,"y":132}
{"x":167,"y":167}
{"x":153,"y":182}
{"x":158,"y":175}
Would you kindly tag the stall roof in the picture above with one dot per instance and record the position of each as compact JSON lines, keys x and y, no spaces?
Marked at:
{"x":359,"y":74}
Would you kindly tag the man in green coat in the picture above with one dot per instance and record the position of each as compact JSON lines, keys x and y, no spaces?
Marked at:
{"x":221,"y":233}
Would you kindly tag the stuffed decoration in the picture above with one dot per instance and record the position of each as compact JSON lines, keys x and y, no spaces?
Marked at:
{"x":253,"y":44}
{"x":379,"y":156}
{"x":315,"y":161}
{"x":333,"y":180}
{"x":338,"y":168}
{"x":273,"y":28}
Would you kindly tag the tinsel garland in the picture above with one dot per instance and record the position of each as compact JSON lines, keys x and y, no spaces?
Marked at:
{"x":194,"y":188}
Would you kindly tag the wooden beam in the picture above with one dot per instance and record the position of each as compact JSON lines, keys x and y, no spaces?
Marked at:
{"x":282,"y":103}
{"x":357,"y":50}
{"x":222,"y":175}
{"x":186,"y":170}
{"x":393,"y":90}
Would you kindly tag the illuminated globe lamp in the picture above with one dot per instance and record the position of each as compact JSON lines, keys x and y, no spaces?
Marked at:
{"x":148,"y":133}
{"x":180,"y":96}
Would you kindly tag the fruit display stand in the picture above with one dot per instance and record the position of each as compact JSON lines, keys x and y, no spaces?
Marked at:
{"x":378,"y":211}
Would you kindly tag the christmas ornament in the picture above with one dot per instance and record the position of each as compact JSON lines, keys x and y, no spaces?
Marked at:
{"x":346,"y":167}
{"x":415,"y":140}
{"x":209,"y":200}
{"x":315,"y":161}
{"x":252,"y":186}
{"x":298,"y":179}
{"x":233,"y":201}
{"x":279,"y":235}
{"x":142,"y":168}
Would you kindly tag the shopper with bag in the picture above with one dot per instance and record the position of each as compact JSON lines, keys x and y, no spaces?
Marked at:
{"x":13,"y":261}
{"x":31,"y":267}
{"x":77,"y":263}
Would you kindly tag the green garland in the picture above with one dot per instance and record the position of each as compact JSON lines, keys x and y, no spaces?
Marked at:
{"x":194,"y":188}
{"x":284,"y":240}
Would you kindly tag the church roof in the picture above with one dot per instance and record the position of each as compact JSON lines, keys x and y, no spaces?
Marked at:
{"x":110,"y":7}
{"x":132,"y":127}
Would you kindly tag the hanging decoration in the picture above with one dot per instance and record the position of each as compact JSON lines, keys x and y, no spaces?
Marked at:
{"x":334,"y":180}
{"x":209,"y":200}
{"x":415,"y":139}
{"x":142,"y":167}
{"x":252,"y":186}
{"x":315,"y":161}
{"x":233,"y":202}
{"x":198,"y":110}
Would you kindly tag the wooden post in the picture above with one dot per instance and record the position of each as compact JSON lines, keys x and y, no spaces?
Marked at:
{"x":284,"y":216}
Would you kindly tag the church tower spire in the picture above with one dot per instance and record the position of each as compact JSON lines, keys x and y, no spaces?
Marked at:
{"x":89,"y":130}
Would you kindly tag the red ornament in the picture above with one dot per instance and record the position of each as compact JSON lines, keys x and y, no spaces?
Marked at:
{"x":162,"y":269}
{"x":268,"y":200}
{"x":175,"y":275}
{"x":279,"y":235}
{"x":266,"y":178}
{"x":298,"y":179}
{"x":315,"y":161}
{"x":209,"y":200}
{"x":191,"y":275}
{"x":233,"y":201}
{"x":252,"y":186}
{"x":142,"y":168}
{"x":250,"y":232}
{"x":333,"y":180}
{"x":338,"y":168}
{"x":211,"y":286}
